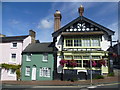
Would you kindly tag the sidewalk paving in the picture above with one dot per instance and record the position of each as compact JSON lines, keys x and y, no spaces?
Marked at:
{"x":64,"y":83}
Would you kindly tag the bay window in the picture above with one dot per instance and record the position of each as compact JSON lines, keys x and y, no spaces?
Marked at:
{"x":69,"y":42}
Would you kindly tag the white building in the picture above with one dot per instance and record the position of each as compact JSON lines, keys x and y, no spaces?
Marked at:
{"x":11,"y":48}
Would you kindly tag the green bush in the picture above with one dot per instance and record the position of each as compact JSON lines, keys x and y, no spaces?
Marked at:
{"x":111,"y":74}
{"x":74,"y":79}
{"x":99,"y":77}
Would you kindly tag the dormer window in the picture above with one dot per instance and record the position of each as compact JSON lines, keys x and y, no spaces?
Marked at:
{"x":14,"y":44}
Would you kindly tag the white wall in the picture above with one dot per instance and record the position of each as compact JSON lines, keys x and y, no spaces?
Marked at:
{"x":59,"y":43}
{"x":6,"y":50}
{"x":105,"y":44}
{"x":26,"y":42}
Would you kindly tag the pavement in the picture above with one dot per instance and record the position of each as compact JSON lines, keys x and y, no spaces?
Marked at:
{"x":106,"y":80}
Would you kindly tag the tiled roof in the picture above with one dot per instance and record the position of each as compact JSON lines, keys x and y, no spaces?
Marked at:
{"x":38,"y":47}
{"x":13,"y":38}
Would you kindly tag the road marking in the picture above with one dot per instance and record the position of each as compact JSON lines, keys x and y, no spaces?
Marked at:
{"x":108,"y":84}
{"x":92,"y":87}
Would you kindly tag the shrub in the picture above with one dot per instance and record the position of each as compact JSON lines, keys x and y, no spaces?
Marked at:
{"x":99,"y":77}
{"x":111,"y":74}
{"x":74,"y":79}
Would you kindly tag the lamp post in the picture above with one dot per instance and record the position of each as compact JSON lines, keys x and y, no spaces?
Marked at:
{"x":90,"y":69}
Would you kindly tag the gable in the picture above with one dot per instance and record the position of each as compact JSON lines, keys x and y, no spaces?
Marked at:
{"x":82,"y":24}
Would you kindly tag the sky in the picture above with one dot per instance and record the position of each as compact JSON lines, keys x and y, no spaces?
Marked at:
{"x":20,"y":17}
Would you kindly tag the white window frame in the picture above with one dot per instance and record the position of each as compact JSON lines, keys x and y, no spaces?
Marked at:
{"x":11,"y":74}
{"x":27,"y":71}
{"x":45,"y":72}
{"x":13,"y":45}
{"x":95,"y":42}
{"x":86,"y":43}
{"x":28,"y":57}
{"x":69,"y":42}
{"x":45,"y":55}
{"x":13,"y":59}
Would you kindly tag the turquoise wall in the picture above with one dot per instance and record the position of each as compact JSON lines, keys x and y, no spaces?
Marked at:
{"x":36,"y":59}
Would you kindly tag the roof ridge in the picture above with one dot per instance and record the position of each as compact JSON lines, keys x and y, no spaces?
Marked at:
{"x":15,"y":36}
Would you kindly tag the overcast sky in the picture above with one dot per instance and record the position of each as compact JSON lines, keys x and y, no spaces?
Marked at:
{"x":18,"y":18}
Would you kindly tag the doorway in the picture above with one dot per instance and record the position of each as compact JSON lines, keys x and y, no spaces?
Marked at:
{"x":33,"y":73}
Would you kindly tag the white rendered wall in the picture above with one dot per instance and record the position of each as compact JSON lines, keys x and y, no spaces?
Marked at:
{"x":58,"y":44}
{"x":26,"y":42}
{"x":6,"y":50}
{"x":105,"y":44}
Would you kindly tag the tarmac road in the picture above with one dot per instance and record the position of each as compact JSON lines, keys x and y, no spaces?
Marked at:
{"x":111,"y":86}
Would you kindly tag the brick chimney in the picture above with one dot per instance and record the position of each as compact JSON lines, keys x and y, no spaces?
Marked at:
{"x":57,"y":20}
{"x":81,"y":10}
{"x":33,"y":35}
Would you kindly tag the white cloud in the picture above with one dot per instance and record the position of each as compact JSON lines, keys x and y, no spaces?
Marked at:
{"x":45,"y":24}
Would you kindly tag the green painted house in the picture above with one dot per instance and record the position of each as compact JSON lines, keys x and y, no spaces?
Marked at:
{"x":37,"y":63}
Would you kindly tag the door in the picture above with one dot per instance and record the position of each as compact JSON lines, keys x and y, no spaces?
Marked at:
{"x":82,"y":75}
{"x":34,"y":73}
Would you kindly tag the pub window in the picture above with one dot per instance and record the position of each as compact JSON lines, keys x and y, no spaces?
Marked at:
{"x":86,"y":57}
{"x":77,"y":42}
{"x":95,"y":57}
{"x":79,"y":63}
{"x":77,"y":57}
{"x":95,"y":42}
{"x":86,"y":42}
{"x":69,"y":42}
{"x":68,"y":57}
{"x":86,"y":63}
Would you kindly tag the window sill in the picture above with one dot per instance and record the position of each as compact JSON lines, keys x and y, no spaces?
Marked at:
{"x":28,"y":61}
{"x":12,"y":62}
{"x":27,"y":75}
{"x":13,"y":47}
{"x":45,"y":61}
{"x":12,"y":75}
{"x":45,"y":77}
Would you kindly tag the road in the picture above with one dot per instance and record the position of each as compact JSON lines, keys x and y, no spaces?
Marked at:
{"x":112,"y":86}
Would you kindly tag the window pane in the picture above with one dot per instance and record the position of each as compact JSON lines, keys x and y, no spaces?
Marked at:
{"x":79,"y":63}
{"x":12,"y":71}
{"x":95,"y":42}
{"x":45,"y":72}
{"x":85,"y":42}
{"x":28,"y":57}
{"x":14,"y":44}
{"x":13,"y":57}
{"x":77,"y":42}
{"x":77,"y":57}
{"x":45,"y":57}
{"x":27,"y":71}
{"x":95,"y":57}
{"x":86,"y":57}
{"x":86,"y":63}
{"x":68,"y":57}
{"x":69,"y":42}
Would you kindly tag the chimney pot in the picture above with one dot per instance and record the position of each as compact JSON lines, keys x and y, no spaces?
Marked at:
{"x":81,"y":10}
